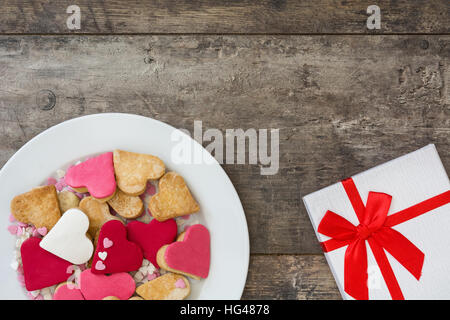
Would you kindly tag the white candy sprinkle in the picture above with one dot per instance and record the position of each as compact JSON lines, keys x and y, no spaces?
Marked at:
{"x":138,"y":276}
{"x":145,"y":262}
{"x":60,"y":173}
{"x":47,"y":296}
{"x":151,"y":269}
{"x":35,"y":293}
{"x":15,"y":264}
{"x":143,"y":270}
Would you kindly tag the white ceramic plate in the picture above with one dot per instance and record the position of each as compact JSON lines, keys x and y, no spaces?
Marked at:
{"x":65,"y":143}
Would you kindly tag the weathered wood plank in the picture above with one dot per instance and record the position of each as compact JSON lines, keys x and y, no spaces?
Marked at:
{"x":343,"y":103}
{"x":290,"y":277}
{"x":225,"y":16}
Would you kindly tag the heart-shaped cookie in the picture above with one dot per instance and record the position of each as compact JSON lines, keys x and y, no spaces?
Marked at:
{"x":169,"y":286}
{"x":41,"y":268}
{"x":173,"y":199}
{"x":190,"y":255}
{"x":134,"y":169}
{"x":150,"y":237}
{"x":68,"y":240}
{"x":99,"y":286}
{"x":129,"y":207}
{"x":67,"y":200}
{"x":38,"y":207}
{"x":67,"y":291}
{"x":95,"y":175}
{"x":120,"y":255}
{"x":97,"y":212}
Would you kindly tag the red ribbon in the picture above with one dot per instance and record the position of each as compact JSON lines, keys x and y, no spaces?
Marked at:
{"x":375,"y":228}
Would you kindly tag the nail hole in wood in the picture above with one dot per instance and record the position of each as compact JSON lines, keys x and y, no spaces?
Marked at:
{"x":45,"y":100}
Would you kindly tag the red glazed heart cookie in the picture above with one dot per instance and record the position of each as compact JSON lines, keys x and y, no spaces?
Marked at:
{"x":95,"y":176}
{"x":114,"y":253}
{"x":190,"y":255}
{"x":41,"y":268}
{"x":99,"y":286}
{"x":150,"y":237}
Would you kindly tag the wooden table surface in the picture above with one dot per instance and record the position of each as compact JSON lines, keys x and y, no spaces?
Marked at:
{"x":345,"y":98}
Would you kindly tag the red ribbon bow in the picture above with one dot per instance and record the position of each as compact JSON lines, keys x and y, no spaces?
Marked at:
{"x":375,"y":227}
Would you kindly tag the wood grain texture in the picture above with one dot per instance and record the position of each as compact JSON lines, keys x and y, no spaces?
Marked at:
{"x":343,"y":104}
{"x":281,"y":277}
{"x":225,"y":16}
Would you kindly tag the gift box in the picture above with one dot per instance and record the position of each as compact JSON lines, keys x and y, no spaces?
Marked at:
{"x":386,"y":231}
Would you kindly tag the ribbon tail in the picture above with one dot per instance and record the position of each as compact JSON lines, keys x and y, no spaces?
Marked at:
{"x":355,"y":270}
{"x":386,"y":270}
{"x":403,"y":250}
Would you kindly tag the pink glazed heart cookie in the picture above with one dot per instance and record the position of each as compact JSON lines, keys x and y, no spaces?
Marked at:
{"x":99,"y":286}
{"x":41,"y":268}
{"x":95,"y":175}
{"x":67,"y":291}
{"x":150,"y":237}
{"x":189,"y":255}
{"x":114,"y":253}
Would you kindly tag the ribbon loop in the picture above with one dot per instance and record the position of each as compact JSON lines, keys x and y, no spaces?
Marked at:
{"x":375,"y":228}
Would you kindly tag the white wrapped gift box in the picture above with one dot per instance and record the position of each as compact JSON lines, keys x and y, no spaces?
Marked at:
{"x":410,"y":180}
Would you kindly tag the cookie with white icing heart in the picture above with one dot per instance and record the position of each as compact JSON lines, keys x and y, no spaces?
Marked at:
{"x":38,"y":207}
{"x":173,"y":199}
{"x":134,"y":169}
{"x":114,"y":252}
{"x":169,"y":286}
{"x":67,"y":239}
{"x":189,"y":255}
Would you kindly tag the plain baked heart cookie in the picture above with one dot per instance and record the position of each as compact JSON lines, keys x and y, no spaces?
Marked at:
{"x":128,"y":207}
{"x":134,"y":169}
{"x":169,"y":286}
{"x":173,"y":199}
{"x":68,"y":240}
{"x":41,"y":268}
{"x":189,"y":255}
{"x":95,"y":175}
{"x":67,"y":200}
{"x":114,"y":253}
{"x":38,"y":207}
{"x":99,"y":286}
{"x":97,"y":212}
{"x":150,"y":237}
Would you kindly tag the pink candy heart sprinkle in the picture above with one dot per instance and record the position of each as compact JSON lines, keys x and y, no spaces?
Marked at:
{"x":99,"y":265}
{"x":107,"y":243}
{"x":42,"y":231}
{"x":13,"y":229}
{"x":51,"y":181}
{"x":152,"y":276}
{"x":180,"y":284}
{"x":11,"y":218}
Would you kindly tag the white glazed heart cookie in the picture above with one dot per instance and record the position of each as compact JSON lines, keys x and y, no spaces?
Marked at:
{"x":67,"y":239}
